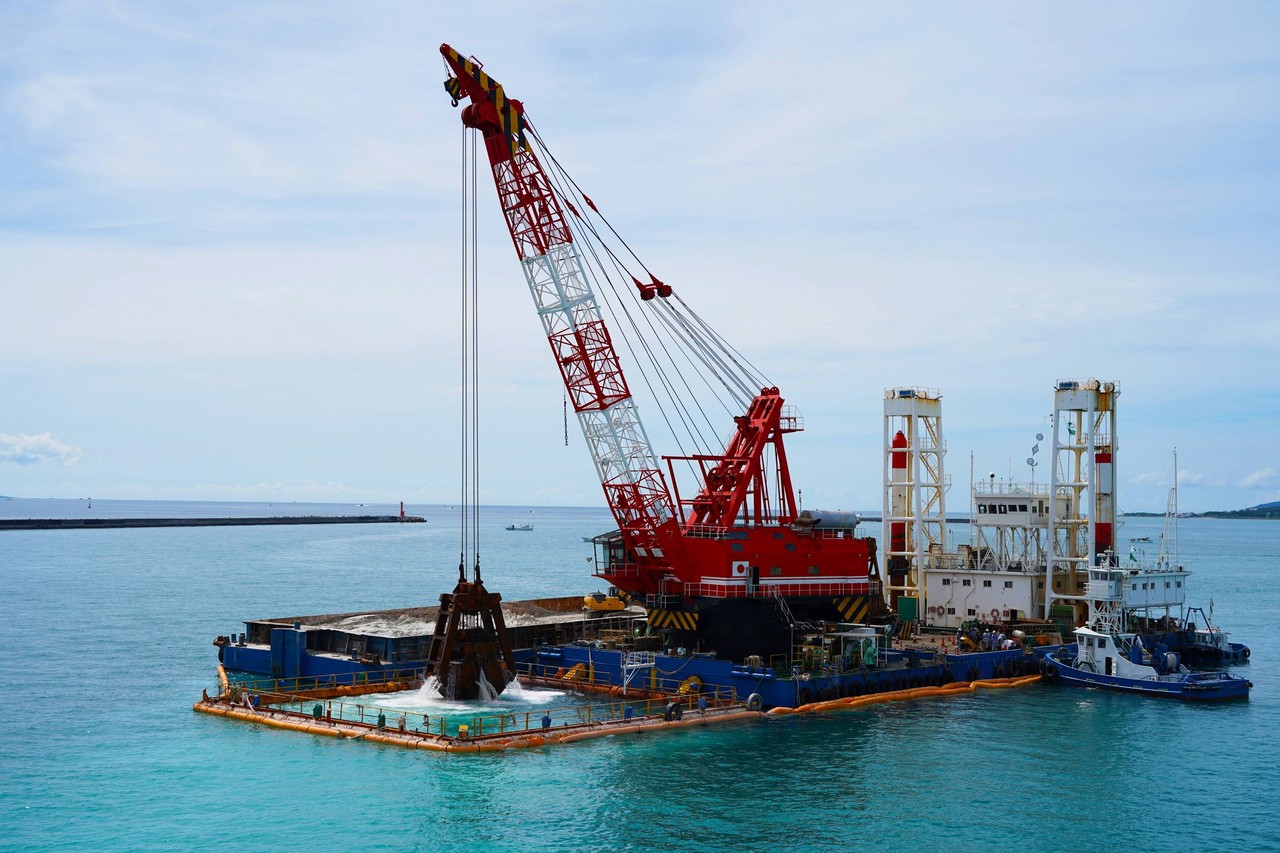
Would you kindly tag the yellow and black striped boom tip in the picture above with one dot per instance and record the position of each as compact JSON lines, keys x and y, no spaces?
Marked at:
{"x":469,"y":80}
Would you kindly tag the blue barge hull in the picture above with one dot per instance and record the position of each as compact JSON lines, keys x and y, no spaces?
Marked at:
{"x":288,"y":658}
{"x":900,"y":670}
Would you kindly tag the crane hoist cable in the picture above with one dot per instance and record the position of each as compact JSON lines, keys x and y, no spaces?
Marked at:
{"x":469,"y":426}
{"x":754,"y":372}
{"x":697,"y":338}
{"x":593,"y":263}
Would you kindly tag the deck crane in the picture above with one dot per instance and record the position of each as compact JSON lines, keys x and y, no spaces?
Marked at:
{"x":736,"y":566}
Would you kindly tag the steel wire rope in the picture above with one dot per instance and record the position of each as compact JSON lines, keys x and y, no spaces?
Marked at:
{"x":683,"y":346}
{"x":704,"y":344}
{"x":601,"y":274}
{"x":630,"y":342}
{"x":636,"y":337}
{"x":475,"y":354}
{"x":663,"y":377}
{"x":543,"y":145}
{"x":759,"y":375}
{"x":697,"y":435}
{"x":462,"y":379}
{"x":714,"y":335}
{"x":690,"y":340}
{"x":708,"y":356}
{"x":750,"y":370}
{"x":706,"y":442}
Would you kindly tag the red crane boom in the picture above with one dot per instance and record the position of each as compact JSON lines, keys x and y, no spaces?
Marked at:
{"x":741,"y":534}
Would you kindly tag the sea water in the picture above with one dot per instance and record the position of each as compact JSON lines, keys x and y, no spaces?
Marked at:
{"x":106,"y":641}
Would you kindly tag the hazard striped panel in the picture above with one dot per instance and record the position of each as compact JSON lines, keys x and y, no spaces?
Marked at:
{"x":679,"y":620}
{"x":854,"y":608}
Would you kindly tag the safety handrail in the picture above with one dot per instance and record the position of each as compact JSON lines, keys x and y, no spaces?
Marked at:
{"x":308,"y":683}
{"x":726,"y":590}
{"x":375,"y":716}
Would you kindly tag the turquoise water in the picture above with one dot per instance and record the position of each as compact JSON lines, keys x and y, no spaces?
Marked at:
{"x":106,"y":642}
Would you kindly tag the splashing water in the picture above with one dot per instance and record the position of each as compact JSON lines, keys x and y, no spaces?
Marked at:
{"x":487,"y":691}
{"x":428,"y":698}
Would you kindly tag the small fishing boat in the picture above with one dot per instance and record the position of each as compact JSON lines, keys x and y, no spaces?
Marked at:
{"x":519,"y":527}
{"x":1107,"y":657}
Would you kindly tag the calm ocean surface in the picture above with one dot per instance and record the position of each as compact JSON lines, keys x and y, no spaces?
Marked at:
{"x":106,"y":641}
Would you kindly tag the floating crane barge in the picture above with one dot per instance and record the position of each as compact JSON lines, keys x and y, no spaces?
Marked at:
{"x":737,"y":602}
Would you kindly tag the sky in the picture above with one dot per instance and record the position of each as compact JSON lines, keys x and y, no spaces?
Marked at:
{"x":230,"y":243}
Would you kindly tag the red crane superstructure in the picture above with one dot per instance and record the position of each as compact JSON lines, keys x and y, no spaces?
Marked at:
{"x":740,"y":536}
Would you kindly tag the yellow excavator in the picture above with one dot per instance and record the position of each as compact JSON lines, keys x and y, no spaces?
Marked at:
{"x":613,"y":600}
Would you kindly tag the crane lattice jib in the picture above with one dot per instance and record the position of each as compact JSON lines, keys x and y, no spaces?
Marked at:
{"x":567,"y":306}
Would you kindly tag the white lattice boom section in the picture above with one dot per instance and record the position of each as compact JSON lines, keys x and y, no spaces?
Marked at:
{"x":1082,"y":525}
{"x":914,"y":520}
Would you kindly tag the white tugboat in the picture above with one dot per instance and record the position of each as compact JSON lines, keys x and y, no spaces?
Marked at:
{"x":1107,"y":656}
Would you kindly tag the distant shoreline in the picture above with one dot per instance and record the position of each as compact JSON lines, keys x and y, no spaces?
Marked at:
{"x":103,"y":523}
{"x":1257,"y":512}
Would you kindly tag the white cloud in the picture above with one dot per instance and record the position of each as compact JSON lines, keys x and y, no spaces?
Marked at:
{"x":1191,"y":478}
{"x":1263,"y":478}
{"x":29,"y":449}
{"x":855,"y":197}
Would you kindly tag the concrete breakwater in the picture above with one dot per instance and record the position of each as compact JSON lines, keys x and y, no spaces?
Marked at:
{"x":101,"y":523}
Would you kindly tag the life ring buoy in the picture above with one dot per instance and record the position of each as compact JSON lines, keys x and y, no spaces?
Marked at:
{"x":755,"y":702}
{"x":673,"y":712}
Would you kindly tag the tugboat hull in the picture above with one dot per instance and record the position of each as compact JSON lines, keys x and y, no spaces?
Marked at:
{"x":1191,"y":686}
